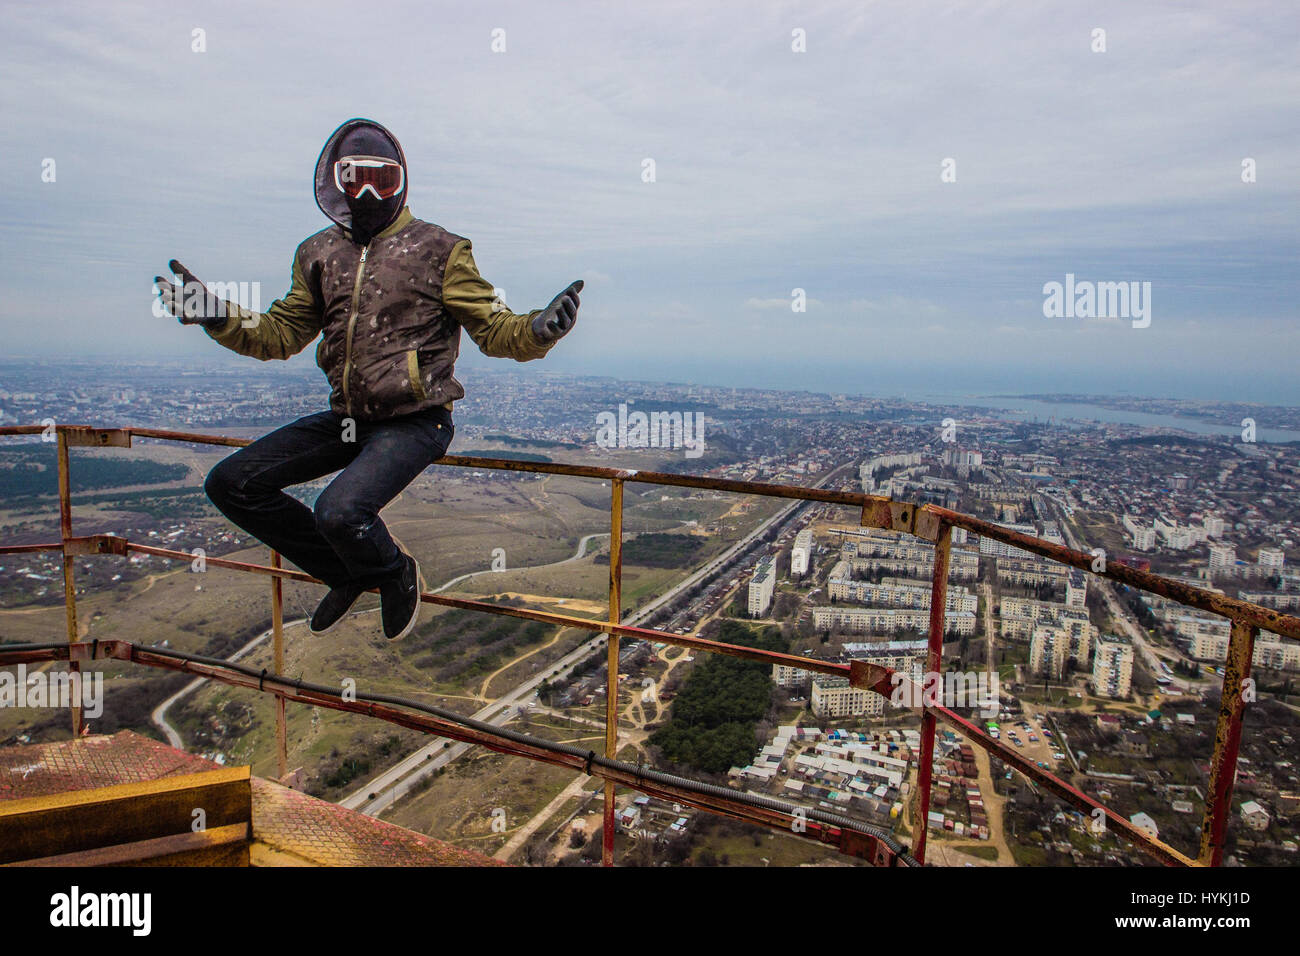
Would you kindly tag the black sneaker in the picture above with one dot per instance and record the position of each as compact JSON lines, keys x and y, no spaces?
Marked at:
{"x":333,"y":607}
{"x":400,"y":599}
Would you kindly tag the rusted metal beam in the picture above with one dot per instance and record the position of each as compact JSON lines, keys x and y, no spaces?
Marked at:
{"x":1071,"y":795}
{"x":30,"y":548}
{"x":96,"y":544}
{"x":933,"y":665}
{"x":546,"y":617}
{"x":850,"y":842}
{"x":69,"y":571}
{"x":198,"y":438}
{"x":89,"y":436}
{"x":883,"y":679}
{"x":611,"y":660}
{"x":916,"y":519}
{"x":902,"y":517}
{"x":1236,"y":693}
{"x":277,"y":648}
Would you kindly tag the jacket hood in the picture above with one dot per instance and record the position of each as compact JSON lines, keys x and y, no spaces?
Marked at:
{"x":332,"y":202}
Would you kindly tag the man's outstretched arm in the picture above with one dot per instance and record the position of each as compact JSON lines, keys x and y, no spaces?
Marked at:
{"x":279,"y":332}
{"x":471,"y":300}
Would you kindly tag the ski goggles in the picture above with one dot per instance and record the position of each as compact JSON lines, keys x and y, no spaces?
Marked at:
{"x":354,"y":175}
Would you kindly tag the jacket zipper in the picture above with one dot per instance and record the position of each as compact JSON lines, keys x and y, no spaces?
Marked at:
{"x":352,"y":321}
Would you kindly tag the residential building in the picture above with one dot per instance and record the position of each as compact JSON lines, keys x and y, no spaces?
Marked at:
{"x":1112,"y":666}
{"x":761,"y":586}
{"x":801,"y":553}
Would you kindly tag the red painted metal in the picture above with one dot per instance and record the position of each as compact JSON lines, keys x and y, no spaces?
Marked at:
{"x":1236,"y":693}
{"x":934,"y":665}
{"x":854,"y":843}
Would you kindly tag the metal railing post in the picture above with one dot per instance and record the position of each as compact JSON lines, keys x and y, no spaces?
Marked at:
{"x":69,"y":574}
{"x":934,"y":665}
{"x":1227,"y":742}
{"x":611,"y":658}
{"x":930,"y":523}
{"x":277,"y":644}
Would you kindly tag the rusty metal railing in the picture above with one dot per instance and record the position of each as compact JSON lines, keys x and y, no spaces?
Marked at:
{"x":928,"y":522}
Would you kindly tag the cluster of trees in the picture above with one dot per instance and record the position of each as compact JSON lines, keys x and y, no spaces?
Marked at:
{"x":34,"y":470}
{"x":497,"y":453}
{"x":714,"y":715}
{"x":463,"y":644}
{"x":358,"y":762}
{"x":537,"y":442}
{"x":1140,"y":610}
{"x":658,"y":550}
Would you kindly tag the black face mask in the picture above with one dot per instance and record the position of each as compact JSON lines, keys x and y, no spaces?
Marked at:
{"x":370,"y":214}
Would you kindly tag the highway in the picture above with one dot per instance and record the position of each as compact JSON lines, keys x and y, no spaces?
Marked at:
{"x":382,"y":791}
{"x":158,"y":717}
{"x":1121,"y":614}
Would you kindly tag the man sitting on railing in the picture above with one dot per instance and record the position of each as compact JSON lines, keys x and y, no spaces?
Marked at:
{"x":390,"y":293}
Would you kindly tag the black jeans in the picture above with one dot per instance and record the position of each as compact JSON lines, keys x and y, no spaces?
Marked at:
{"x":344,"y":540}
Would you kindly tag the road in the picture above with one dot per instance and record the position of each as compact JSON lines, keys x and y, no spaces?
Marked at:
{"x":159,"y":715}
{"x":1118,"y":613}
{"x":990,"y":665}
{"x":582,"y":548}
{"x":381,"y":792}
{"x":520,"y":836}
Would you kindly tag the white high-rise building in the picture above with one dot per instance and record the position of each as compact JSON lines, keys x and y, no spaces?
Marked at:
{"x":1048,"y":649}
{"x":1272,"y":558}
{"x":1213,"y":525}
{"x":963,"y":458}
{"x":761,"y":586}
{"x":1175,"y":537}
{"x":1270,"y":650}
{"x":1223,"y":558}
{"x":1076,"y":590}
{"x":801,"y":553}
{"x":790,"y":678}
{"x":887,"y":620}
{"x":1143,"y":536}
{"x":892,"y":592}
{"x":1112,"y":666}
{"x":835,"y":697}
{"x":1000,"y":549}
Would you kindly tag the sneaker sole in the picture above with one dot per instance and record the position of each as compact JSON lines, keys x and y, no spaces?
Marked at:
{"x":415,"y":613}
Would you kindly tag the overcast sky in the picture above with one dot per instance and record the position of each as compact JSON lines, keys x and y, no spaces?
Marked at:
{"x":774,"y":170}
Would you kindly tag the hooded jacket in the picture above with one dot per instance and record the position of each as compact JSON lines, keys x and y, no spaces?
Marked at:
{"x":389,"y":314}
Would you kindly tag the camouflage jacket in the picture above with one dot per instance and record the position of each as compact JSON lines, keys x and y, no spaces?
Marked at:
{"x":389,"y":316}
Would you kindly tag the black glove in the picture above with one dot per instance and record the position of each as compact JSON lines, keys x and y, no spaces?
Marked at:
{"x":554,"y":321}
{"x":192,"y":305}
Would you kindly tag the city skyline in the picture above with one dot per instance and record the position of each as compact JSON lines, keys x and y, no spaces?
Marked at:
{"x":775,"y":169}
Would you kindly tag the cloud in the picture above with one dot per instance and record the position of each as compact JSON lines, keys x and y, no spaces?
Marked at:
{"x":774,"y":170}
